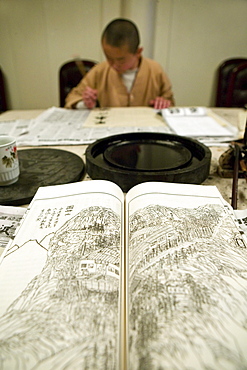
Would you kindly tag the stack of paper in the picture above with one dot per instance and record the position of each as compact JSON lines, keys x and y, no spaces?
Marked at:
{"x":200,"y":123}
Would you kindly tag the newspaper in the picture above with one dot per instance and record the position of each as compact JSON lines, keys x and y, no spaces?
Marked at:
{"x":10,"y":218}
{"x":59,"y":126}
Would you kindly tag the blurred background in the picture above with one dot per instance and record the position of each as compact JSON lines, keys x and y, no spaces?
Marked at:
{"x":189,"y":38}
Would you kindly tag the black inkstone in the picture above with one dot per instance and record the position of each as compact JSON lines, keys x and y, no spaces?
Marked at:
{"x":41,"y":167}
{"x":129,"y":159}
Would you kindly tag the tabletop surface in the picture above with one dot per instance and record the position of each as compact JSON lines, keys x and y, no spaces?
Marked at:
{"x":235,"y":116}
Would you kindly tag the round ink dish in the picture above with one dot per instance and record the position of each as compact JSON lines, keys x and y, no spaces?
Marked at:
{"x":147,"y":155}
{"x":129,"y":159}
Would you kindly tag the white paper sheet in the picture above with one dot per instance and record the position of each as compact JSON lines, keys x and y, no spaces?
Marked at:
{"x":199,"y":123}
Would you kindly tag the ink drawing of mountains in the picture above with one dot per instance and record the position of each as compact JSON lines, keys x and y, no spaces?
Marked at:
{"x":67,"y":315}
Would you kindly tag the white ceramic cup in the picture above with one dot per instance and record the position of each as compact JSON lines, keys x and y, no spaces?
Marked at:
{"x":9,"y":163}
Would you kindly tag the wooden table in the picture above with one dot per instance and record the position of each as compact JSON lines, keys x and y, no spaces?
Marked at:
{"x":234,"y":115}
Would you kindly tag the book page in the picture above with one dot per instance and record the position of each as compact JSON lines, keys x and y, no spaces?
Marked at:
{"x":187,"y":279}
{"x":60,"y":280}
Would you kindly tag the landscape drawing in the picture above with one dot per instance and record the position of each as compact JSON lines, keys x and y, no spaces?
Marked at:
{"x":187,"y":287}
{"x":67,"y":316}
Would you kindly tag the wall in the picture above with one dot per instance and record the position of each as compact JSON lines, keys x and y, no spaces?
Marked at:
{"x":189,"y":38}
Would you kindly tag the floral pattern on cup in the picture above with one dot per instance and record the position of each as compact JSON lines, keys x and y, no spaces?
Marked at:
{"x":8,"y":161}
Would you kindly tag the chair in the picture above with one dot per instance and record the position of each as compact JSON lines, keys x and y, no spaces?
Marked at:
{"x":237,"y":90}
{"x":225,"y":89}
{"x":70,"y":74}
{"x":3,"y":102}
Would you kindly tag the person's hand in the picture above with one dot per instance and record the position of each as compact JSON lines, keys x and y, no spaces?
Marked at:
{"x":89,"y":97}
{"x":160,"y":103}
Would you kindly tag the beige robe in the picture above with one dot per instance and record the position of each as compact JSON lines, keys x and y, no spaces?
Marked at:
{"x":150,"y":82}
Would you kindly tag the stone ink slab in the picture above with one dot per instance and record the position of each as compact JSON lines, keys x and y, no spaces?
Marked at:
{"x":41,"y":167}
{"x":132,"y":158}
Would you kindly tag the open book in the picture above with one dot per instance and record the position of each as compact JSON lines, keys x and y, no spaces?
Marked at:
{"x":94,"y":279}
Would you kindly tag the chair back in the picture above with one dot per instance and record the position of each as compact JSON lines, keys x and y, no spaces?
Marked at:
{"x":70,"y":74}
{"x":3,"y":101}
{"x":237,"y":90}
{"x":225,"y":89}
